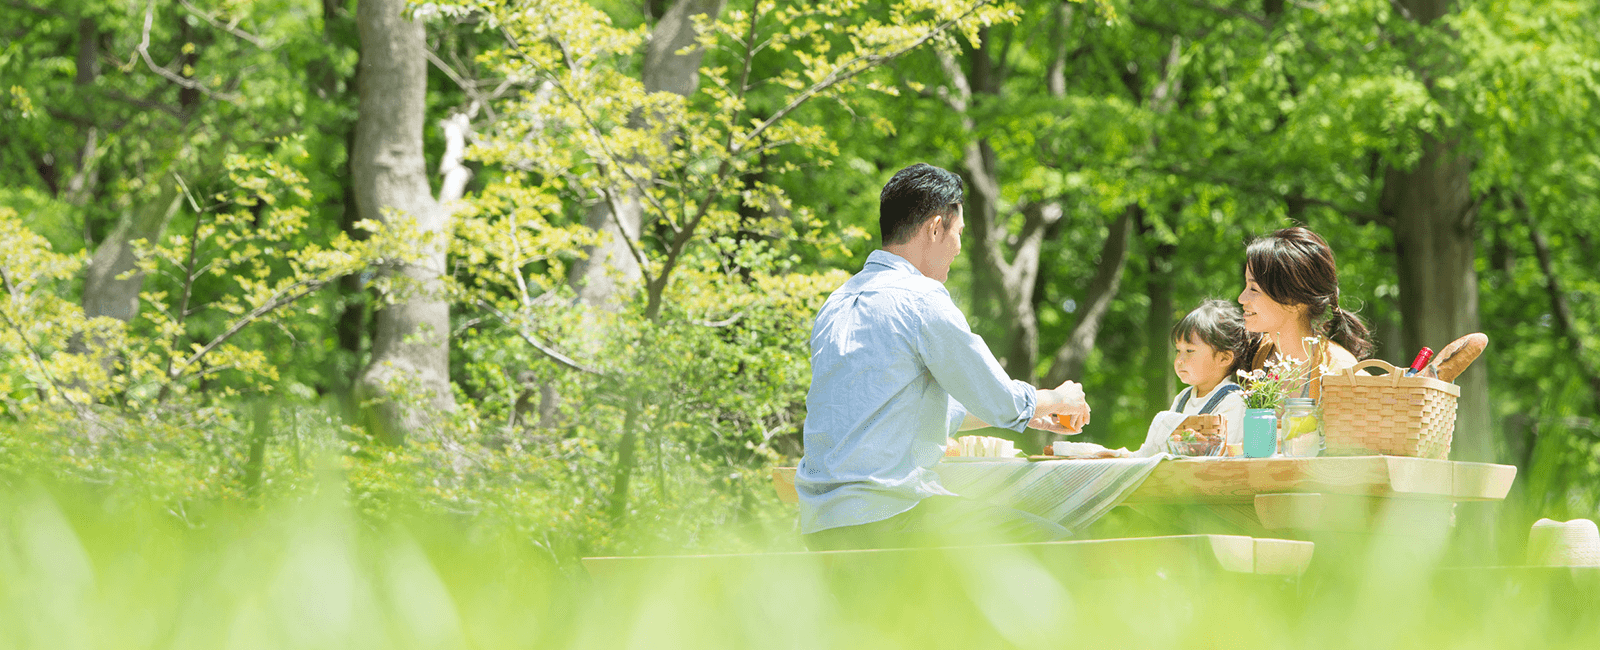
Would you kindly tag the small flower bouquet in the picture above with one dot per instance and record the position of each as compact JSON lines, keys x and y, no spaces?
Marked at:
{"x":1265,"y":388}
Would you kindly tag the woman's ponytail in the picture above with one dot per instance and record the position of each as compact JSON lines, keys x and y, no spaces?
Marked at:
{"x":1346,"y":329}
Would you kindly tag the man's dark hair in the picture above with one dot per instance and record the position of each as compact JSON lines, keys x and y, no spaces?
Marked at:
{"x":912,"y":196}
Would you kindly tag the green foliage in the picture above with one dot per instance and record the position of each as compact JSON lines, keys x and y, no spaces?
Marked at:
{"x":36,"y":320}
{"x":246,"y":239}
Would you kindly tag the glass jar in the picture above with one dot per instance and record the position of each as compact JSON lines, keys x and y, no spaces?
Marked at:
{"x":1300,"y":428}
{"x":1260,"y":433}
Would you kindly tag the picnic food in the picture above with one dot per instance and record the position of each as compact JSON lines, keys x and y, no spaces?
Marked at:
{"x":980,"y":447}
{"x":1455,"y":358}
{"x":1065,"y":449}
{"x":1068,"y":421}
{"x":1189,"y":442}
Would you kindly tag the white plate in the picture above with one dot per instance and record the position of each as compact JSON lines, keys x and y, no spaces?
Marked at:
{"x":977,"y":459}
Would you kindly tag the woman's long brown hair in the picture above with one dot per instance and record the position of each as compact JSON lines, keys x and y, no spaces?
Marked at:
{"x":1294,"y":266}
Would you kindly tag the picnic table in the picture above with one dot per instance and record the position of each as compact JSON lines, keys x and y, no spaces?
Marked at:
{"x":1368,"y":495}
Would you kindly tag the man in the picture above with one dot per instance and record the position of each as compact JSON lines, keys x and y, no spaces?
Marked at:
{"x":895,"y":370}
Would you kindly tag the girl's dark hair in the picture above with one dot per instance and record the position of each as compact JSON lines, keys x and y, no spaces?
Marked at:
{"x":1294,"y":266}
{"x":1219,"y":324}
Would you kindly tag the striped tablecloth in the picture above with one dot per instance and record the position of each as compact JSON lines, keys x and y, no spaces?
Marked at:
{"x":1073,"y":493}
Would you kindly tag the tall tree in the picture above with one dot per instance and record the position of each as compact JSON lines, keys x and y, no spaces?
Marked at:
{"x":412,"y":341}
{"x":1434,"y":217}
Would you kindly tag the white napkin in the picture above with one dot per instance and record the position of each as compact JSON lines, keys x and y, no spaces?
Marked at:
{"x":1161,"y":428}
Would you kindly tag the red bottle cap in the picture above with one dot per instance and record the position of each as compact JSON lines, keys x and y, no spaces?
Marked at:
{"x":1422,"y":359}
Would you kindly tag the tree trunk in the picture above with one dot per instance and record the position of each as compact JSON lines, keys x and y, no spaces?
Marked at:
{"x":609,"y":269}
{"x":83,"y":183}
{"x":105,"y":291}
{"x":1069,"y":359}
{"x":627,"y":459}
{"x":260,"y":430}
{"x":1002,"y":290}
{"x":1435,"y":249}
{"x":339,"y":27}
{"x":1559,"y":307}
{"x":411,"y":345}
{"x":1158,"y":385}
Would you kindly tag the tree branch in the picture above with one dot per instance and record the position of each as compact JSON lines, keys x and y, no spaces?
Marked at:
{"x":454,"y":175}
{"x":295,"y":292}
{"x":1068,"y":360}
{"x":231,"y":28}
{"x":610,"y":196}
{"x":146,"y":104}
{"x":1361,"y":216}
{"x":1560,"y":310}
{"x":843,"y":72}
{"x":25,"y":6}
{"x":143,"y":51}
{"x":1404,"y":12}
{"x":545,"y":349}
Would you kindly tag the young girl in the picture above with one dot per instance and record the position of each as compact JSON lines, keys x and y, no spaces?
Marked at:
{"x":1210,"y":343}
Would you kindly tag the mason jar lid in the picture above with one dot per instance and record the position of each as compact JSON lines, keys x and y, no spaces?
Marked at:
{"x":1306,"y":402}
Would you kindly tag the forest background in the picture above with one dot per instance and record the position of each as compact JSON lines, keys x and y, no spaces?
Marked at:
{"x":549,"y":266}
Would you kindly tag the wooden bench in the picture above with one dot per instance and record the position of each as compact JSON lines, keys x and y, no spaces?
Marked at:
{"x":1170,"y":556}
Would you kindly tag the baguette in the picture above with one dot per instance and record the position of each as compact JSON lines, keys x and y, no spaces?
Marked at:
{"x":1455,"y":358}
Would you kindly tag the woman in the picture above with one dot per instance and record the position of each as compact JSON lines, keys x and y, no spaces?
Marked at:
{"x":1291,"y":294}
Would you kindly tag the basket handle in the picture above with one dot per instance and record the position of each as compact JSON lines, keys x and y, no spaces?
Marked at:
{"x":1394,"y":372}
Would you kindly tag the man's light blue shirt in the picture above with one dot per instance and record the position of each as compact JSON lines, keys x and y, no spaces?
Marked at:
{"x":894,"y":371}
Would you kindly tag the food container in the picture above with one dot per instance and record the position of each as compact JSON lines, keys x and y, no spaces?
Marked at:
{"x":1199,"y":435}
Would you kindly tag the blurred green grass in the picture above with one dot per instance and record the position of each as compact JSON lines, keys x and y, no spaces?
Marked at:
{"x":80,"y":571}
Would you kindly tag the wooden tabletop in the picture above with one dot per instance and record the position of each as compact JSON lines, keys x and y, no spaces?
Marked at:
{"x":1240,"y":480}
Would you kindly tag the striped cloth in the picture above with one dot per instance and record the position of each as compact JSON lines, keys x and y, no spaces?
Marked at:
{"x":1073,"y":493}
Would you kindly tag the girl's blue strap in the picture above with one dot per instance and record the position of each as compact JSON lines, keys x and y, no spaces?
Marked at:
{"x":1183,"y":398}
{"x":1216,"y":398}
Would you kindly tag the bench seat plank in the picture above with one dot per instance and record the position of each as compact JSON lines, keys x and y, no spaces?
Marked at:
{"x":1097,"y":558}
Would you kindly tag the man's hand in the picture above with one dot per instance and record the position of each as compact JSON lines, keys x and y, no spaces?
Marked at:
{"x":1068,"y":401}
{"x":1074,"y":424}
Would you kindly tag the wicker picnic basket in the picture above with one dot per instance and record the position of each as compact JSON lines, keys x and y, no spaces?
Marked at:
{"x":1389,"y":414}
